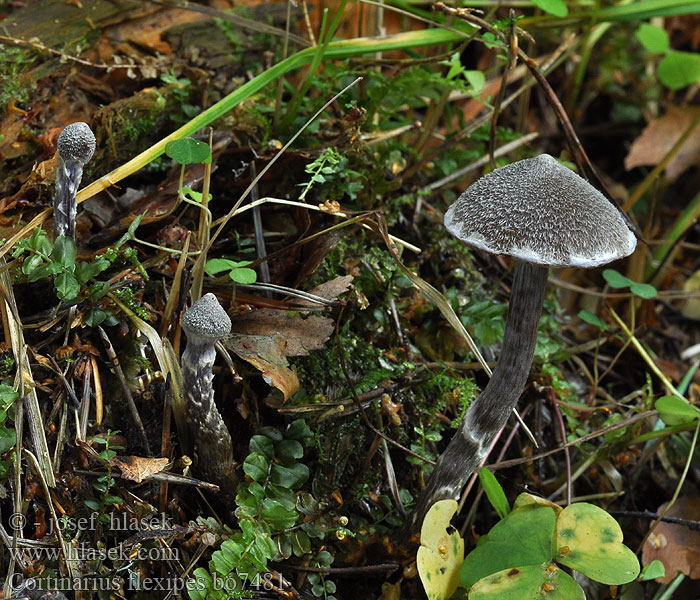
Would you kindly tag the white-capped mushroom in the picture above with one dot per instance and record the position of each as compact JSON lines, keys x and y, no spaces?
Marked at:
{"x":76,"y":145}
{"x":542,"y":214}
{"x":205,"y":323}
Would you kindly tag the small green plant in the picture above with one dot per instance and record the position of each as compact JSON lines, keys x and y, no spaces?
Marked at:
{"x":105,"y":482}
{"x":522,"y":553}
{"x":331,"y":168}
{"x":181,"y":93}
{"x":267,"y":506}
{"x":71,"y":277}
{"x":8,"y":437}
{"x":676,"y":69}
{"x":238,"y":271}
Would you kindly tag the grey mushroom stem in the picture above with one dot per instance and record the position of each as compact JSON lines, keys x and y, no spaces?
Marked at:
{"x":212,"y":438}
{"x":76,"y":145}
{"x":489,"y":412}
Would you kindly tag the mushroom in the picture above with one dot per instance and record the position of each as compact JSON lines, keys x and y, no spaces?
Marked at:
{"x":542,"y":214}
{"x":76,"y":145}
{"x":205,"y":323}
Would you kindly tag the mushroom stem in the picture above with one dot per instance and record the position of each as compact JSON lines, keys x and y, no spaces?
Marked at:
{"x":204,"y":324}
{"x":489,"y":412}
{"x":211,"y":435}
{"x":64,"y":205}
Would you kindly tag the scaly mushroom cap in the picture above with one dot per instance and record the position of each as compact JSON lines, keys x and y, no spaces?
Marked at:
{"x":76,"y":143}
{"x":539,"y":211}
{"x":206,"y":319}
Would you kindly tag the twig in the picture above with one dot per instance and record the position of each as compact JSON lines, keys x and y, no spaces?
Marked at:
{"x":506,"y":464}
{"x":126,"y":392}
{"x":567,"y":456}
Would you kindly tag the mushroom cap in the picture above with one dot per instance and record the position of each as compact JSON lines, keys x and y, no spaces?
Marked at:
{"x":538,"y":211}
{"x":206,"y":319}
{"x":76,"y":143}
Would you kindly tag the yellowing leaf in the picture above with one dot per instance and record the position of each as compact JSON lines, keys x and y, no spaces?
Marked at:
{"x":441,"y":553}
{"x":590,"y":540}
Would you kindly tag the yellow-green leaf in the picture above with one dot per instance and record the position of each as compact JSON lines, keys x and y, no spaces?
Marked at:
{"x":441,"y":552}
{"x":589,"y":540}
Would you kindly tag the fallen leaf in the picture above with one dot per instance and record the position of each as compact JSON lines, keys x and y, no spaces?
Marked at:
{"x":137,"y":468}
{"x":266,"y":353}
{"x":676,"y":546}
{"x":659,"y":136}
{"x":329,"y":290}
{"x":301,"y":334}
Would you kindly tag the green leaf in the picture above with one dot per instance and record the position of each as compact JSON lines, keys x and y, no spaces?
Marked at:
{"x":214,"y":266}
{"x":85,"y":271}
{"x":64,"y":252}
{"x":528,"y":581}
{"x":256,"y":467}
{"x":8,"y":438}
{"x":615,"y":279}
{"x":67,"y":286}
{"x":243,"y":276}
{"x":643,"y":290}
{"x":8,"y":395}
{"x":187,"y":151}
{"x":40,"y":273}
{"x":277,"y":516}
{"x":653,"y":38}
{"x":130,"y":232}
{"x":523,"y":537}
{"x":494,"y":492}
{"x":653,"y":570}
{"x":289,"y":476}
{"x":679,"y":69}
{"x":289,"y":449}
{"x":476,"y":80}
{"x":589,"y":540}
{"x":299,"y":430}
{"x":676,"y":411}
{"x":592,"y":319}
{"x":95,"y":316}
{"x":261,"y":444}
{"x":557,"y":8}
{"x":31,"y":262}
{"x":99,"y":289}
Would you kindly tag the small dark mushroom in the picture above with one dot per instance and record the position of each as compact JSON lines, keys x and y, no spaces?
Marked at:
{"x":205,"y":323}
{"x":76,"y":145}
{"x":542,"y":214}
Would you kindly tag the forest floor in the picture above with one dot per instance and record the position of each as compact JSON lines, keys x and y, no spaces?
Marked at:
{"x":333,"y":137}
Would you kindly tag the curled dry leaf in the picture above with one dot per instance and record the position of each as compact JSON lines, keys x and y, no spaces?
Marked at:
{"x":302,"y":334}
{"x":676,"y":546}
{"x":137,"y":468}
{"x":659,"y":136}
{"x":266,"y":353}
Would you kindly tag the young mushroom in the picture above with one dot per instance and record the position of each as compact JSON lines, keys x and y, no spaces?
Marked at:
{"x":205,"y":323}
{"x":542,"y":214}
{"x":76,"y":145}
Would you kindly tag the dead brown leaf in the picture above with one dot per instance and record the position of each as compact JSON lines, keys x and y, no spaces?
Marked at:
{"x":676,"y":546}
{"x":301,"y":334}
{"x":266,"y":353}
{"x":659,"y":136}
{"x":329,"y":290}
{"x":137,"y":468}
